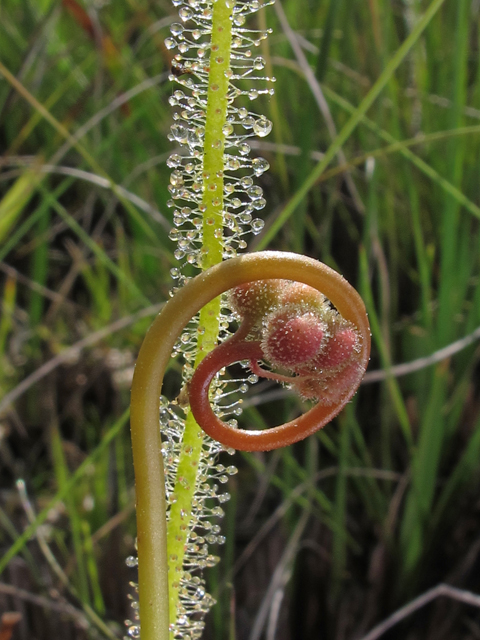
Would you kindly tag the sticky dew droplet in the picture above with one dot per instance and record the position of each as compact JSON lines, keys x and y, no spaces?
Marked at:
{"x":176,"y":29}
{"x":185,"y":14}
{"x":257,"y":225}
{"x":262,"y":127}
{"x":131,"y":562}
{"x":259,"y":166}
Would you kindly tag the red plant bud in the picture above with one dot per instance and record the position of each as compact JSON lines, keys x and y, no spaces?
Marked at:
{"x":291,"y":341}
{"x":254,"y":300}
{"x":338,"y":350}
{"x":303,"y":297}
{"x":330,"y":388}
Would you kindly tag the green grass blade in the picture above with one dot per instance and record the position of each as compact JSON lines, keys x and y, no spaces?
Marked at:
{"x":352,"y":123}
{"x":67,"y":488}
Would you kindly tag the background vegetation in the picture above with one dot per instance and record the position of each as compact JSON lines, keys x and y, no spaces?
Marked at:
{"x":327,"y":538}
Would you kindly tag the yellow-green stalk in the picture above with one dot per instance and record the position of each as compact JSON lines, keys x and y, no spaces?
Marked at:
{"x":212,"y":226}
{"x":174,"y":530}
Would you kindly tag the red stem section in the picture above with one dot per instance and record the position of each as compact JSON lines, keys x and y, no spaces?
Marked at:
{"x":235,"y":350}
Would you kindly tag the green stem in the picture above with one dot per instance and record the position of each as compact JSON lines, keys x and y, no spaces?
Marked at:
{"x":214,"y":142}
{"x":209,"y":321}
{"x":159,"y":545}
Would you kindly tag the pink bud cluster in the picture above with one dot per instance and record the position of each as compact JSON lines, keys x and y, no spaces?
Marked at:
{"x":299,"y":332}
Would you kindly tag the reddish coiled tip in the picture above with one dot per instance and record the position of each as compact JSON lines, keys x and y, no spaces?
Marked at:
{"x":322,"y":355}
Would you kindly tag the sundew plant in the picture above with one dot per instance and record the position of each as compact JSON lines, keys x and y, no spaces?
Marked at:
{"x":277,"y":299}
{"x":215,"y":201}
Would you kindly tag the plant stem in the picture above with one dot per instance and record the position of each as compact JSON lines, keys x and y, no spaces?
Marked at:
{"x":166,"y":544}
{"x":214,"y":141}
{"x":212,"y":253}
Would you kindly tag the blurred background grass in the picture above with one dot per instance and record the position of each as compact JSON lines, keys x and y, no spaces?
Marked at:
{"x":324,"y":539}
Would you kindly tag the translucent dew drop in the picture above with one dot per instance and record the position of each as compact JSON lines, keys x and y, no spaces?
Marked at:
{"x":174,"y":160}
{"x":248,"y":122}
{"x":255,"y":192}
{"x":259,"y":203}
{"x":179,"y":132}
{"x":185,"y":14}
{"x":233,"y":164}
{"x":176,"y":29}
{"x":131,"y":562}
{"x":257,"y":225}
{"x":176,"y":178}
{"x":260,"y":165}
{"x":262,"y":127}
